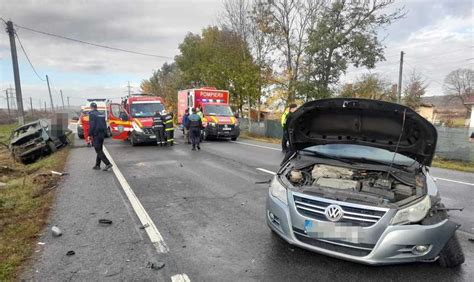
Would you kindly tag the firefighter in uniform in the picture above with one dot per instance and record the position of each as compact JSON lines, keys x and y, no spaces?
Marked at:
{"x":158,"y":126}
{"x":285,"y":118}
{"x":169,"y":128}
{"x":97,"y":131}
{"x":194,"y":127}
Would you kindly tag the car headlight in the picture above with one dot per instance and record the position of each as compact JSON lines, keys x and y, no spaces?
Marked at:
{"x":278,"y":191}
{"x":413,"y":213}
{"x":136,"y":127}
{"x":213,"y":124}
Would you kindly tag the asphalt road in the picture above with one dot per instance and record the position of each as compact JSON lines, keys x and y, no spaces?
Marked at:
{"x":210,"y":214}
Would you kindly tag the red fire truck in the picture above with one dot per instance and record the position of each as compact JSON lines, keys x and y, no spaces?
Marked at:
{"x":218,"y":119}
{"x":133,"y":118}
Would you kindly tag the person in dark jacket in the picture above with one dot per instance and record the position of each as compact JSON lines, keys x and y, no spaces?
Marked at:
{"x":97,"y":132}
{"x":185,"y":126}
{"x":285,"y":120}
{"x":159,"y":127}
{"x":195,"y":126}
{"x":169,"y":128}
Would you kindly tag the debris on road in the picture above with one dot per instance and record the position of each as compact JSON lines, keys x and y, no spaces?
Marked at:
{"x":105,"y":221}
{"x":144,"y":226}
{"x":59,"y":173}
{"x":70,"y":253}
{"x":157,"y":265}
{"x":56,"y":231}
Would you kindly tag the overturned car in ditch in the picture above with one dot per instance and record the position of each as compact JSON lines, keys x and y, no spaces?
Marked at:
{"x":356,"y":185}
{"x":33,"y":140}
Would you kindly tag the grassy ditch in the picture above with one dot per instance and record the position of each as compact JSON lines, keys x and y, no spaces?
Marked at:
{"x":437,"y":162}
{"x":26,"y":197}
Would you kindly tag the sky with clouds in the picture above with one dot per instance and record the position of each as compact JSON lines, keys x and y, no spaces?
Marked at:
{"x":436,"y":35}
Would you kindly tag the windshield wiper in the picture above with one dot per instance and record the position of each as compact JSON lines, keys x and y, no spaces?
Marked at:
{"x":326,"y":156}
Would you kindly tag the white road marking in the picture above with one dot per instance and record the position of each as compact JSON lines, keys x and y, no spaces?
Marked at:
{"x":152,"y":231}
{"x":180,"y":278}
{"x":266,"y":171}
{"x":455,"y":181}
{"x":258,"y":146}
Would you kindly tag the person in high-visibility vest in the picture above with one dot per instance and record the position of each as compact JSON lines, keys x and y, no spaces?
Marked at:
{"x":84,"y":121}
{"x":169,"y":128}
{"x":159,"y":128}
{"x":285,"y":119}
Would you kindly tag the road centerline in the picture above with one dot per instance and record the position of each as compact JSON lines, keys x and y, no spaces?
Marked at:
{"x":255,"y":145}
{"x":145,"y":219}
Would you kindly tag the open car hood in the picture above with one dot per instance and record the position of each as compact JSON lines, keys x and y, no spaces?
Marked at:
{"x":363,"y":122}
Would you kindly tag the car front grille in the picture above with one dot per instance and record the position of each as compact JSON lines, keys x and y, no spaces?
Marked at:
{"x":354,"y":215}
{"x":359,"y":250}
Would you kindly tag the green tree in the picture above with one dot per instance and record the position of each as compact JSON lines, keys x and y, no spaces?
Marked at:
{"x":164,"y":83}
{"x":369,"y":86}
{"x":414,"y":90}
{"x":219,"y":58}
{"x":345,"y":34}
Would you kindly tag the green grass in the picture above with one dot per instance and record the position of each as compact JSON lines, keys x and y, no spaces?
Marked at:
{"x":24,"y":205}
{"x":454,"y":165}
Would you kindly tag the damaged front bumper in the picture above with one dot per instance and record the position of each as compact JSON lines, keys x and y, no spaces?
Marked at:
{"x":378,"y":244}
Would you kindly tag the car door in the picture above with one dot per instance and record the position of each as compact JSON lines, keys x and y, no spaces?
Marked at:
{"x":119,"y":122}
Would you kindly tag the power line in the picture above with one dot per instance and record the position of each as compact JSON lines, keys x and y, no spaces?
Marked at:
{"x":93,"y":44}
{"x":26,"y":55}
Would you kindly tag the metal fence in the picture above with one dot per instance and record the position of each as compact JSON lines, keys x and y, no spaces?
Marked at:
{"x":453,"y":143}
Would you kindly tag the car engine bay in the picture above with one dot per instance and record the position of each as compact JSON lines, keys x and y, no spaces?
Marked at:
{"x":359,"y":185}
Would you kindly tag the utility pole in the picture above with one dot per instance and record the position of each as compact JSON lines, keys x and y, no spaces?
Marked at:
{"x":45,"y":106}
{"x":400,"y":73}
{"x":62,"y":99}
{"x":31,"y":106}
{"x":8,"y":104}
{"x":129,"y":87}
{"x":50,"y":96}
{"x":68,"y":105}
{"x":16,"y":73}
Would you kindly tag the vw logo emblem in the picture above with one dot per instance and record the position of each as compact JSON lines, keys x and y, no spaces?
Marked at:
{"x":333,"y":213}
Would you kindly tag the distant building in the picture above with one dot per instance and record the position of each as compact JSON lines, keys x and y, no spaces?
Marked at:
{"x":470,"y":101}
{"x":428,"y":112}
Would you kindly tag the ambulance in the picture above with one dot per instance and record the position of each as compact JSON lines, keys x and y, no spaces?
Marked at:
{"x":218,"y":119}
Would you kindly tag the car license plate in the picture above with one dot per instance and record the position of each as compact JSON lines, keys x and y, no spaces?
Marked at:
{"x":227,"y":128}
{"x":152,"y":136}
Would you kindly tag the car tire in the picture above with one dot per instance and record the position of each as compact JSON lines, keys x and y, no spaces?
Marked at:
{"x":133,"y":141}
{"x":233,"y":138}
{"x":451,"y":255}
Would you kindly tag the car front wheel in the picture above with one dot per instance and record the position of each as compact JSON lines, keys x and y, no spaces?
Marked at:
{"x":451,"y":255}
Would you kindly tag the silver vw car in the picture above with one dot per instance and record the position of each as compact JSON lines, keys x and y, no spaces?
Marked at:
{"x":356,"y":185}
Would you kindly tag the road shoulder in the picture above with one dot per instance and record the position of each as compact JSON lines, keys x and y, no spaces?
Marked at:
{"x":117,"y":251}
